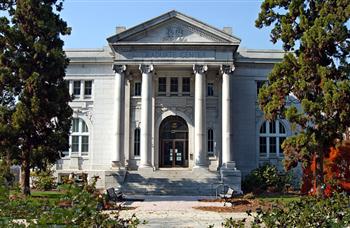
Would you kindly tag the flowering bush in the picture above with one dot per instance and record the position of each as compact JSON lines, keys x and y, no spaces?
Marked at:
{"x":336,"y":172}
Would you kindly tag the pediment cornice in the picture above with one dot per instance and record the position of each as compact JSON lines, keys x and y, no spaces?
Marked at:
{"x":175,"y":27}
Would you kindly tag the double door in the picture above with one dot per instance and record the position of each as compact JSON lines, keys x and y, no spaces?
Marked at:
{"x":174,"y":153}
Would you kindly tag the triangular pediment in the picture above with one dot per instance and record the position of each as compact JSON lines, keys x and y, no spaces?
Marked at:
{"x":173,"y":27}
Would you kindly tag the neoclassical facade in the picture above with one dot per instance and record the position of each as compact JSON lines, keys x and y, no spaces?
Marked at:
{"x":172,"y":92}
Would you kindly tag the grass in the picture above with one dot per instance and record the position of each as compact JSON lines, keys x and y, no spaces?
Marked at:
{"x":47,"y":194}
{"x":282,"y":198}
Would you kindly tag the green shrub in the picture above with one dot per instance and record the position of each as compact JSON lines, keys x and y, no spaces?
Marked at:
{"x":5,"y":173}
{"x":79,"y":209}
{"x":265,"y":178}
{"x":307,"y":212}
{"x":44,"y":180}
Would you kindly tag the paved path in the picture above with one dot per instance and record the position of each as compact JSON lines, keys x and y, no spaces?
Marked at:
{"x":177,"y":211}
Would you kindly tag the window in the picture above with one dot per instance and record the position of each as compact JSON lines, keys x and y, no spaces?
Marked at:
{"x":76,"y":88}
{"x":210,"y":142}
{"x":137,"y":142}
{"x":79,"y":138}
{"x":80,"y":89}
{"x":137,"y":89}
{"x":210,"y":91}
{"x":162,"y":86}
{"x":272,"y":135}
{"x":88,"y":88}
{"x":174,"y":83}
{"x":186,"y":86}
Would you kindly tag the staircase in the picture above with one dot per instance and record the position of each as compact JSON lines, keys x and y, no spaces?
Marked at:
{"x":182,"y":182}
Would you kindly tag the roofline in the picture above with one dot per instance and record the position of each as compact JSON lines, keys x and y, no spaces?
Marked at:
{"x":175,"y":44}
{"x":164,"y":17}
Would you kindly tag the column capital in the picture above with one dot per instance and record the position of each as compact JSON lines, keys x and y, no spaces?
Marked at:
{"x":199,"y":69}
{"x":119,"y":68}
{"x":227,"y":69}
{"x":146,"y":68}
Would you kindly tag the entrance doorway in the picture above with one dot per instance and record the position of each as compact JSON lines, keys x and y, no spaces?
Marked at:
{"x":173,"y":135}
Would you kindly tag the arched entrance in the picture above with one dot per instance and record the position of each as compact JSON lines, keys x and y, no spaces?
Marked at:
{"x":173,"y":142}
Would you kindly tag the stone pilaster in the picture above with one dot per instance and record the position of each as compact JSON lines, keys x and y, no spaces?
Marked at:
{"x":119,"y":107}
{"x":146,"y":116}
{"x":200,"y":152}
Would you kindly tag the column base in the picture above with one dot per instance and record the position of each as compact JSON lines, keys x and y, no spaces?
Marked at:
{"x":145,"y":169}
{"x":116,"y":165}
{"x":231,"y":176}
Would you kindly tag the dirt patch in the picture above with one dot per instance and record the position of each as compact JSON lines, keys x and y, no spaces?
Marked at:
{"x":235,"y":205}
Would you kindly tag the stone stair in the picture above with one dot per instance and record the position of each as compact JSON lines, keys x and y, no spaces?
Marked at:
{"x":183,"y":182}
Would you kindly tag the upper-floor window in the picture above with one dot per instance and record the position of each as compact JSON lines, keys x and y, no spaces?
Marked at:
{"x":76,"y":89}
{"x":271,"y":136}
{"x":88,"y":88}
{"x":210,"y":89}
{"x":162,"y":86}
{"x":137,"y":89}
{"x":186,"y":86}
{"x":174,"y":84}
{"x":80,"y":88}
{"x":79,"y":138}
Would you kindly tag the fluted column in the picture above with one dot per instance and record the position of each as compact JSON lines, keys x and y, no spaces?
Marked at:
{"x":119,"y":78}
{"x":200,"y":152}
{"x":226,"y":71}
{"x":146,"y":116}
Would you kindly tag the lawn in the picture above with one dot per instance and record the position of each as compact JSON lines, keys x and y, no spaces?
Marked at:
{"x":283,"y":198}
{"x":47,"y":194}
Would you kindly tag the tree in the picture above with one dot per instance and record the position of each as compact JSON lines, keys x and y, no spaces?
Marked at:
{"x":33,"y":94}
{"x":315,"y":70}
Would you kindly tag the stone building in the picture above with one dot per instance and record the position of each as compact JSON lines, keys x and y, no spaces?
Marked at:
{"x":170,"y":94}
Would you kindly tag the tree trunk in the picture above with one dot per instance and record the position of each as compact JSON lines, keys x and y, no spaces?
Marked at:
{"x":319,"y":173}
{"x":25,"y":174}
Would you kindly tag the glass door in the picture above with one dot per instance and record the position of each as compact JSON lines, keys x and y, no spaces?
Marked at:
{"x":179,"y":153}
{"x":168,"y":154}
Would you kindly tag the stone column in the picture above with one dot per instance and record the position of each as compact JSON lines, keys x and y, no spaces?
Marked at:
{"x":200,"y":153}
{"x":229,"y":173}
{"x":118,"y":112}
{"x":226,"y":71}
{"x":146,"y":116}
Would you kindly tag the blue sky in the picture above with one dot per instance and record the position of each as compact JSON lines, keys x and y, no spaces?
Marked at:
{"x":92,"y":21}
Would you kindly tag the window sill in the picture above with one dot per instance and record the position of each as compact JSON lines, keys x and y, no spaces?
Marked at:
{"x":212,"y":157}
{"x":69,"y":157}
{"x":82,"y":100}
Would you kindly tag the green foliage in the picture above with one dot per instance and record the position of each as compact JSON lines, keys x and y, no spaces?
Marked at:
{"x":76,"y":207}
{"x":233,"y":223}
{"x":266,"y":177}
{"x":5,"y":174}
{"x":317,"y":74}
{"x":44,"y":180}
{"x":307,"y":212}
{"x":34,"y":98}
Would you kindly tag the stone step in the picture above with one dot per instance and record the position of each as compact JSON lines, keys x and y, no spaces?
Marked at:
{"x":170,"y":182}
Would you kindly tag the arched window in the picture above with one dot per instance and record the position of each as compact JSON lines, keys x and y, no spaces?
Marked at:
{"x":271,"y":136}
{"x":137,"y":142}
{"x":79,"y":138}
{"x":210,"y":142}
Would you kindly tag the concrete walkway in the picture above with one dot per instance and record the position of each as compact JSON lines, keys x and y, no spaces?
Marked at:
{"x":177,"y":211}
